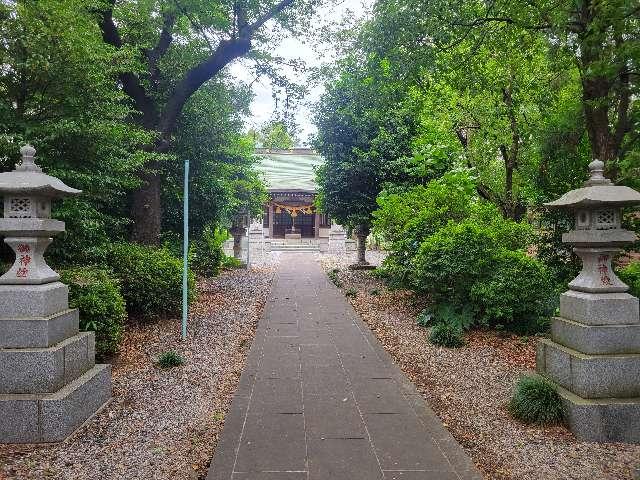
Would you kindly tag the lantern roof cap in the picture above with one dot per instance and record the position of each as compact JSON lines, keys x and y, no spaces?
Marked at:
{"x":598,"y":191}
{"x":28,"y":179}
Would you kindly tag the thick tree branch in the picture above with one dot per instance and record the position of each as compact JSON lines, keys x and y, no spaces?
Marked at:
{"x":227,"y":51}
{"x":130,"y":82}
{"x":278,"y":8}
{"x":164,"y":42}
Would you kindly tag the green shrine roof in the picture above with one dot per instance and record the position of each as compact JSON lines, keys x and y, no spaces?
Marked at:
{"x":286,"y":170}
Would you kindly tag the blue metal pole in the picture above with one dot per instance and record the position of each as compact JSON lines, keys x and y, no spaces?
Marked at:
{"x":185,"y":252}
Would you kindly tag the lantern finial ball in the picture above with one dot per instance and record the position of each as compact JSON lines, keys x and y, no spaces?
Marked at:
{"x":28,"y":163}
{"x":596,"y":169}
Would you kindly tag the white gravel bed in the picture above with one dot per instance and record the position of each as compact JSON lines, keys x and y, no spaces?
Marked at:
{"x":162,"y":424}
{"x":469,"y":388}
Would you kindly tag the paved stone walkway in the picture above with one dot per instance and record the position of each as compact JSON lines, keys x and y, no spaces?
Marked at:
{"x":320,"y":399}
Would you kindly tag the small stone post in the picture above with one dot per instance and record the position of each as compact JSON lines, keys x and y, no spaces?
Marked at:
{"x":337,"y":238}
{"x":594,"y":351}
{"x":49,"y":382}
{"x":256,"y":242}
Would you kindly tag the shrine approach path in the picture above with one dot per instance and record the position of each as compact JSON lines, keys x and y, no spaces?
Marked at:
{"x":320,"y":399}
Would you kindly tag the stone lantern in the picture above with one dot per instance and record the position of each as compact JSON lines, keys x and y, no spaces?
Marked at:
{"x":594,"y":350}
{"x":49,"y":383}
{"x":27,"y":223}
{"x":238,"y":231}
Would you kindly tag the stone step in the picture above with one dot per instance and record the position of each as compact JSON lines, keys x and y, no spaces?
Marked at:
{"x":53,"y":417}
{"x":295,"y":248}
{"x":33,"y":301}
{"x":596,"y":339}
{"x":600,"y":308}
{"x":590,"y":376}
{"x":38,"y":332}
{"x":602,"y":420}
{"x":46,"y":370}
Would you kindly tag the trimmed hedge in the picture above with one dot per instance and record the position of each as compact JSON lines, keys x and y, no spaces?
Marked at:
{"x":516,"y":290}
{"x":206,"y":253}
{"x":631,"y":276}
{"x":151,"y":279}
{"x":97,"y":295}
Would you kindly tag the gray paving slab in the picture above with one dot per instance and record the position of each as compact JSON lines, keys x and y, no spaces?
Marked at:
{"x":320,"y":398}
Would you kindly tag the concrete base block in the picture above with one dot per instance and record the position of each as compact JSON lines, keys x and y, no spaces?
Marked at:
{"x":33,"y":301}
{"x":46,"y":370}
{"x":53,"y":417}
{"x":590,"y":376}
{"x":596,"y":339}
{"x":602,"y":420}
{"x":38,"y":332}
{"x":600,"y":308}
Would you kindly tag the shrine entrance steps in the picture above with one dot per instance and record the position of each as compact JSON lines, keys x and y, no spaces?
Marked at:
{"x":320,"y":399}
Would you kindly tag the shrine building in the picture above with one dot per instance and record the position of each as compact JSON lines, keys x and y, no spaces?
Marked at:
{"x":290,"y":213}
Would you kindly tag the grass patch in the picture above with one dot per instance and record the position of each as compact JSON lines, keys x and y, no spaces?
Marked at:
{"x":333,"y":276}
{"x":535,"y":400}
{"x":170,"y":359}
{"x":446,"y":335}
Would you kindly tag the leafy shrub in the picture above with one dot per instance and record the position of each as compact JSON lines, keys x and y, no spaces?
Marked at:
{"x":536,"y":400}
{"x":447,"y":314}
{"x":333,"y":276}
{"x":230,"y":262}
{"x":450,"y":261}
{"x":170,"y":359}
{"x":85,"y":241}
{"x":97,"y":295}
{"x":425,"y":318}
{"x":151,"y":279}
{"x":407,"y":218}
{"x":558,"y":256}
{"x":206,"y":253}
{"x":518,"y":289}
{"x":446,"y":335}
{"x":631,"y":276}
{"x":351,"y":292}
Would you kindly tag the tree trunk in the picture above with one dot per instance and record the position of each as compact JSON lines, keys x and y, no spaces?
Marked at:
{"x":362,"y":232}
{"x":146,"y":210}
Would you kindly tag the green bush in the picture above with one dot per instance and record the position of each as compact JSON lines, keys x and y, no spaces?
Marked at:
{"x":230,"y":262}
{"x":425,"y":318}
{"x":518,"y":289}
{"x":351,"y":292}
{"x":333,"y":276}
{"x":446,"y":335}
{"x":97,"y":295}
{"x":85,"y":241}
{"x":206,"y":253}
{"x":536,"y":400}
{"x":447,"y":314}
{"x":450,"y":261}
{"x":170,"y":359}
{"x":631,"y":276}
{"x":407,"y":218}
{"x":151,"y":279}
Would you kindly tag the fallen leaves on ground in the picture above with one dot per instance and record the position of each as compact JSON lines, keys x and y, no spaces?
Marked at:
{"x":469,"y":388}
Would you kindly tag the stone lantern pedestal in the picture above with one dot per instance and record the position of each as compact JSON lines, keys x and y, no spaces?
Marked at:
{"x":49,"y":383}
{"x":593,"y":354}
